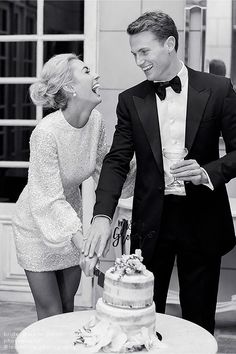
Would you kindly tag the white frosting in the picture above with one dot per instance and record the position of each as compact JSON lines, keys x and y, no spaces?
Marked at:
{"x":128,"y":291}
{"x":130,"y":320}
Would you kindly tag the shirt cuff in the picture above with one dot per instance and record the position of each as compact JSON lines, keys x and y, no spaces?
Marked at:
{"x":208,"y":184}
{"x":105,"y":216}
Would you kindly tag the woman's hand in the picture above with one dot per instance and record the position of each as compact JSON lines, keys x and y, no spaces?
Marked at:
{"x":88,"y":264}
{"x":78,"y":240}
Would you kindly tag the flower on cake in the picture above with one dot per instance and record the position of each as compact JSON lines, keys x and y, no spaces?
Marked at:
{"x":101,"y":336}
{"x":110,"y":338}
{"x":129,"y":264}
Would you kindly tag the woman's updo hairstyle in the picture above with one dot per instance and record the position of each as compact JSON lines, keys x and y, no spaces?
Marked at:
{"x":51,"y":90}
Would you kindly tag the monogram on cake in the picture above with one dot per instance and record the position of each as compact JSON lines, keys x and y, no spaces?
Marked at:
{"x":125,"y":318}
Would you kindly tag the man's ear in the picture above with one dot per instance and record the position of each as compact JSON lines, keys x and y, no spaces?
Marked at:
{"x":170,"y":44}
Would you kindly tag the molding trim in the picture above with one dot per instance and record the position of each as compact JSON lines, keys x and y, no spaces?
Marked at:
{"x":221,"y":307}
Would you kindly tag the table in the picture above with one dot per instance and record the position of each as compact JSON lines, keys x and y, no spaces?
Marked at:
{"x":55,"y":335}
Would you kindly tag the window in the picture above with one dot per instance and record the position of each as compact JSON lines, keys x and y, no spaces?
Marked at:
{"x":233,"y":52}
{"x":31,"y":31}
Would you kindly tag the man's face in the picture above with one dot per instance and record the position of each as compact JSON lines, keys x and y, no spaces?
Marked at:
{"x":151,"y":55}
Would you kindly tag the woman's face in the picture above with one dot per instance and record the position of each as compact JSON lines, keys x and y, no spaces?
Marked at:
{"x":86,"y":85}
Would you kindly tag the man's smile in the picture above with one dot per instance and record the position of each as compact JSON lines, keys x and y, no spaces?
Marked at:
{"x":147,"y":68}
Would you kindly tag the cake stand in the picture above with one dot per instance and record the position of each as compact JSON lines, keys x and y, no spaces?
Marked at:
{"x":56,"y":335}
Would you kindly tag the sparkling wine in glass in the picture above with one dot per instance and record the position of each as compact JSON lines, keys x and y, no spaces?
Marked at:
{"x":173,"y":155}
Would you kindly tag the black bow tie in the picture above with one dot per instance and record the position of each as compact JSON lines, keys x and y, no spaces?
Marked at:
{"x":160,"y":87}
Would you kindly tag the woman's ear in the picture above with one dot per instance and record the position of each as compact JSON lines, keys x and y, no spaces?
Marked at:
{"x":68,"y":89}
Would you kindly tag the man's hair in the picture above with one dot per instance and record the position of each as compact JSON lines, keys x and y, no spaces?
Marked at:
{"x":157,"y":22}
{"x":217,"y":67}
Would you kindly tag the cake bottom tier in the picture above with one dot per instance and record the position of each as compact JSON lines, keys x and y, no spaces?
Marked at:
{"x":130,"y":320}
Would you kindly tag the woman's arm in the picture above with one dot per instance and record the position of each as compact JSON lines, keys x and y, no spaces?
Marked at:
{"x":53,"y":215}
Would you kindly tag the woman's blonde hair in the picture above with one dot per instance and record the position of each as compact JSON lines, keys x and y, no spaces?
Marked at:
{"x":51,"y":90}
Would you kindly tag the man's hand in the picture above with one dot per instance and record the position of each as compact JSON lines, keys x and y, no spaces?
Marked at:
{"x":87,"y":264}
{"x":188,"y":171}
{"x":98,"y":237}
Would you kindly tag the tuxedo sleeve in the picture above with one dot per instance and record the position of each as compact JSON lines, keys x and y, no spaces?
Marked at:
{"x":116,"y":164}
{"x":223,"y":169}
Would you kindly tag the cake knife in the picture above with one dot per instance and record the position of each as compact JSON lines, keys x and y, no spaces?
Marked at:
{"x":100,"y":275}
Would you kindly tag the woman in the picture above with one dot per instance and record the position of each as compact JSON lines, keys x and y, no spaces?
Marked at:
{"x":66,"y":148}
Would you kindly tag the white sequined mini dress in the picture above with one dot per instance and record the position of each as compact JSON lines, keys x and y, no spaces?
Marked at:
{"x":49,"y":209}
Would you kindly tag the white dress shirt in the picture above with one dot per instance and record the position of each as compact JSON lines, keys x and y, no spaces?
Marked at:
{"x":172,"y":121}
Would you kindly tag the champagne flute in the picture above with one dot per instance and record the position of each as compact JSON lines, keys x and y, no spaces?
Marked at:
{"x":174,"y":154}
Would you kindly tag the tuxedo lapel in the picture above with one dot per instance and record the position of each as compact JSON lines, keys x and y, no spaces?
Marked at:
{"x":147,"y":111}
{"x":196,"y":103}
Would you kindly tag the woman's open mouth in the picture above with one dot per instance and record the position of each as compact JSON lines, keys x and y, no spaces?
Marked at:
{"x":96,"y":88}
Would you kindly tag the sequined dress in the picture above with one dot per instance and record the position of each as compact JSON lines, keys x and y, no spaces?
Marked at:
{"x":49,"y":209}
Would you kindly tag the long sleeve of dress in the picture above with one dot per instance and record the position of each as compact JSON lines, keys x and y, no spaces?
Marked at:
{"x":102,"y":150}
{"x":54,"y":216}
{"x":128,"y":187}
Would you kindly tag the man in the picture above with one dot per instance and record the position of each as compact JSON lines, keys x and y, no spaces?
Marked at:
{"x":217,"y":67}
{"x":193,"y":224}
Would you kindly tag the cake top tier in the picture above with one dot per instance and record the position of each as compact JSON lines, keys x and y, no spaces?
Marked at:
{"x":129,"y":264}
{"x":128,"y":284}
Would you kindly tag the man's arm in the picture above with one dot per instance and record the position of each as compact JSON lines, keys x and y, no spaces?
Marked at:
{"x":113,"y":175}
{"x":222,"y":170}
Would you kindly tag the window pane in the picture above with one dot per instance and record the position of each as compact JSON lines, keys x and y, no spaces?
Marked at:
{"x":14,"y":143}
{"x":63,"y":17}
{"x":52,"y":48}
{"x":18,"y":59}
{"x":18,"y":17}
{"x":233,"y":51}
{"x":15,"y":102}
{"x":3,"y":49}
{"x":12,"y":181}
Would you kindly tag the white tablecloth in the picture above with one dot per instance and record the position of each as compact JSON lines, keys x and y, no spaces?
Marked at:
{"x":55,"y":335}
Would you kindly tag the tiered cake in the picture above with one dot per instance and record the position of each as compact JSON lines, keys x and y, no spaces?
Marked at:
{"x":128,"y":296}
{"x":125,"y":315}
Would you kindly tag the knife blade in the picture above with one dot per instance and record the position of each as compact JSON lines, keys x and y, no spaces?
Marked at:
{"x":100,"y":275}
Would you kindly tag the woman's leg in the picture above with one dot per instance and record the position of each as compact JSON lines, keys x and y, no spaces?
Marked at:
{"x":45,"y":290}
{"x":68,"y":283}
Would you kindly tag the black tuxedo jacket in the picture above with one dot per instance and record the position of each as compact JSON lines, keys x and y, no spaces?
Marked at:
{"x":211,"y":112}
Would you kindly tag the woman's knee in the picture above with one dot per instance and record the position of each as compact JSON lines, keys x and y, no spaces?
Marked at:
{"x":48,"y":309}
{"x":46,"y":293}
{"x":68,"y":283}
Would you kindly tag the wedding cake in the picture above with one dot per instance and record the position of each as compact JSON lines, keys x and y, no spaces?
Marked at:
{"x":125,"y":318}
